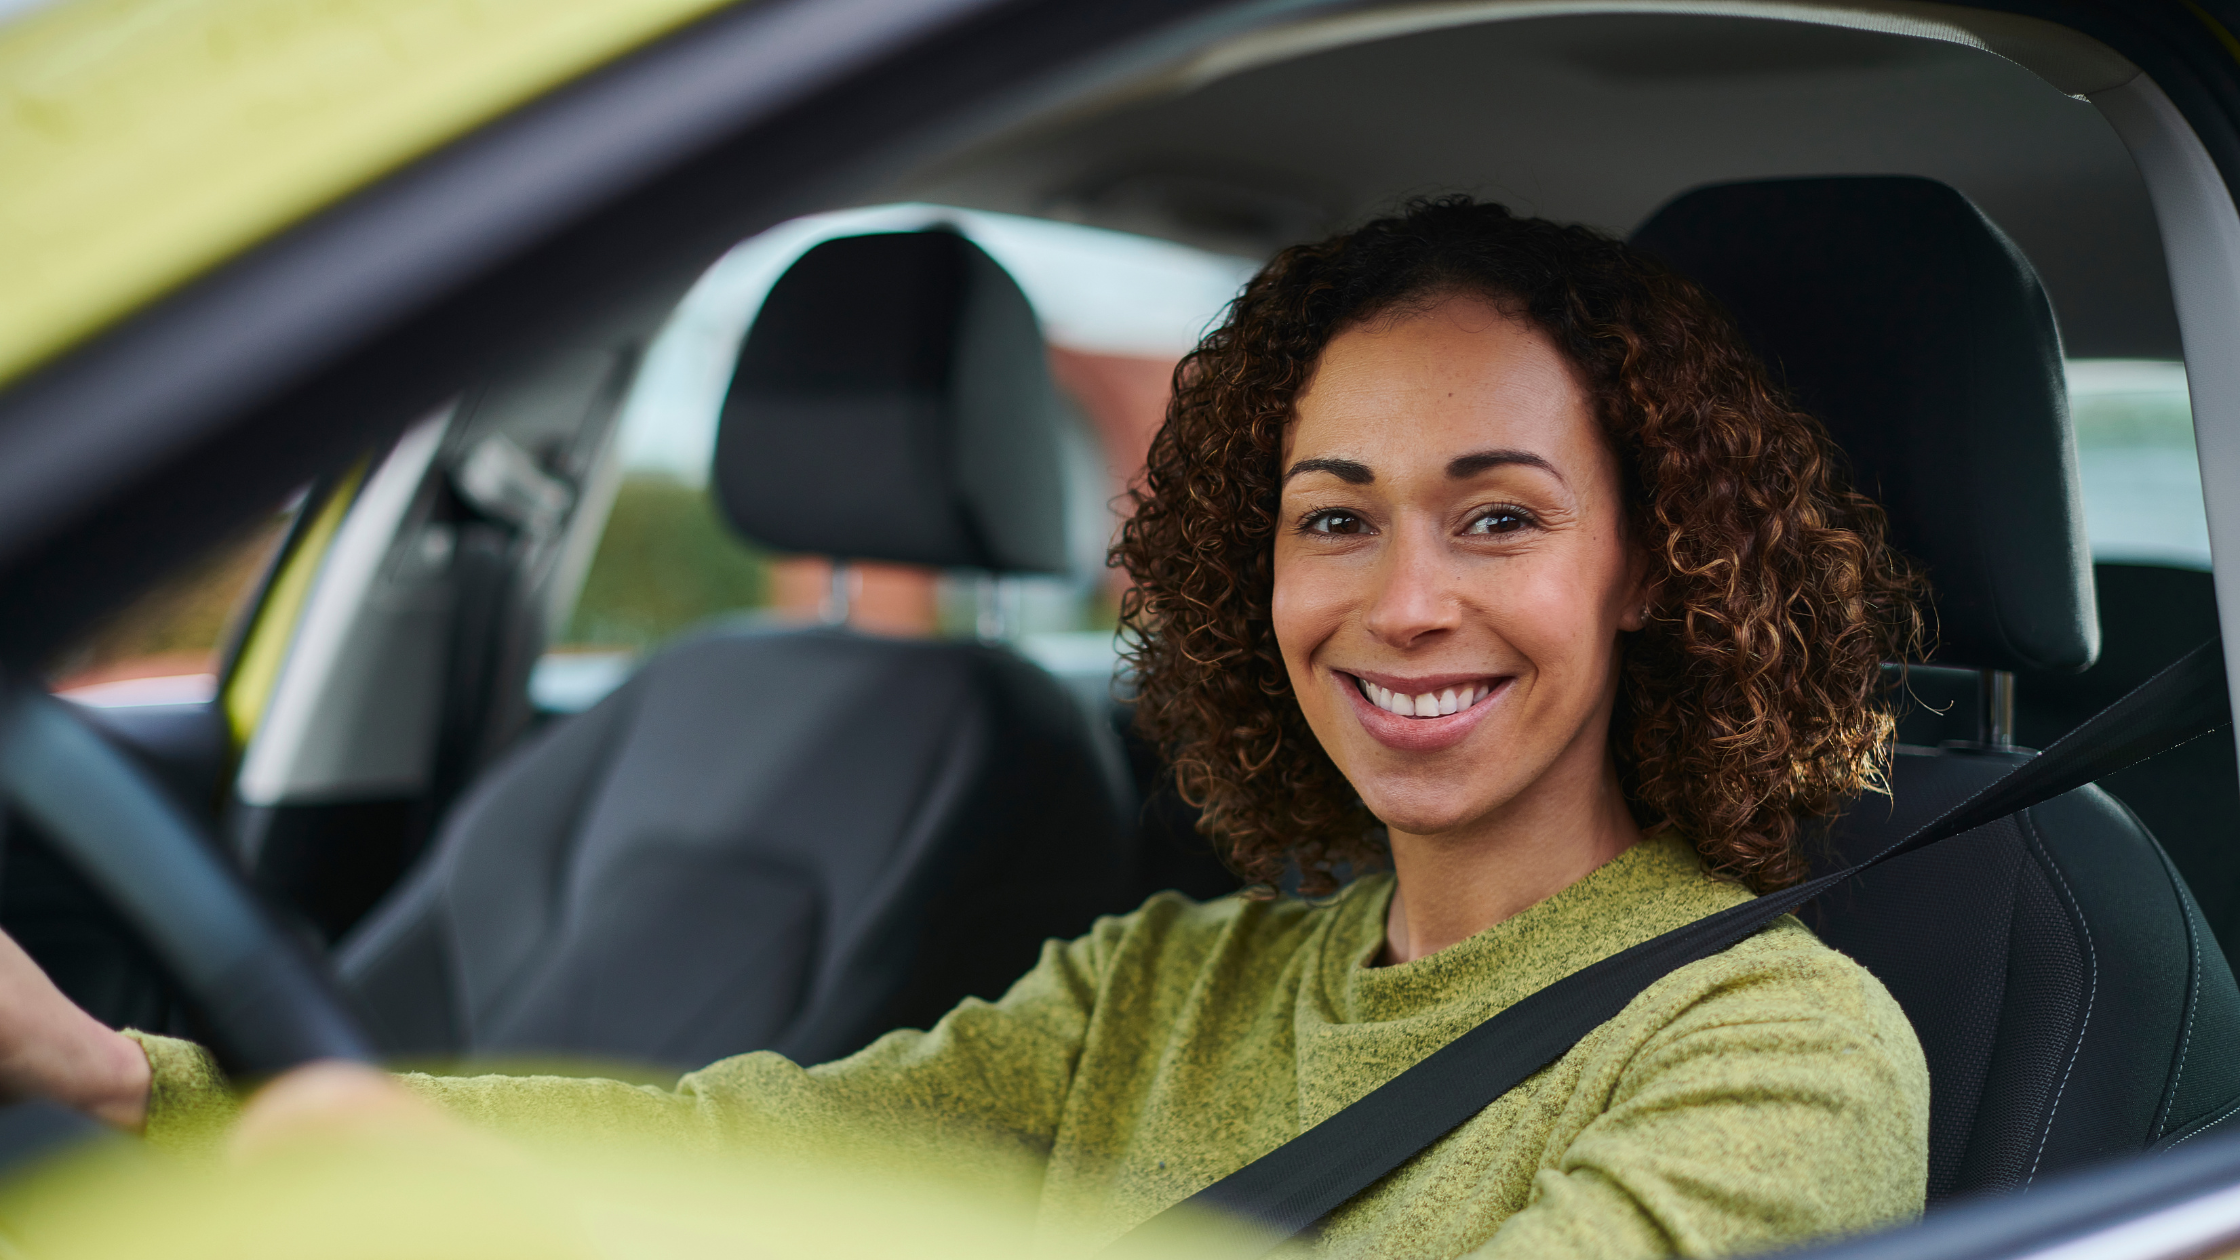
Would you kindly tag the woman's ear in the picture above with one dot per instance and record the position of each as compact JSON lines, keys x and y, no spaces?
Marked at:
{"x":1638,"y":597}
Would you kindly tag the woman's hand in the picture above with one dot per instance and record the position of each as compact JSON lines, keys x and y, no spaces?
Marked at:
{"x":51,"y":1049}
{"x":328,"y":1100}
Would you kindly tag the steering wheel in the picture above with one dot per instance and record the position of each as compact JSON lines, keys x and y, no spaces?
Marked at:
{"x":267,"y":1001}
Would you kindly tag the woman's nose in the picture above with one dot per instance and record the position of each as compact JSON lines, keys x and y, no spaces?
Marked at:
{"x":1413,"y":595}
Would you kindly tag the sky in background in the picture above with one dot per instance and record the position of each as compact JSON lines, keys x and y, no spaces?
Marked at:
{"x":1093,"y":289}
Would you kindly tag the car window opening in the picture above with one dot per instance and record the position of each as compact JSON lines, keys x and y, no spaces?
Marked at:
{"x":773,"y":676}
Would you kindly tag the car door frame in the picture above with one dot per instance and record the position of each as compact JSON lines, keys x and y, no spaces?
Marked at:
{"x":141,"y":444}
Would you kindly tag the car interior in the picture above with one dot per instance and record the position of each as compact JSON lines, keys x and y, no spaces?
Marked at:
{"x":772,"y":835}
{"x":863,"y":829}
{"x":1902,"y":319}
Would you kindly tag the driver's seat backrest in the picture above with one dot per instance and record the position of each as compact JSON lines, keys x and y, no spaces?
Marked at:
{"x":794,"y":839}
{"x":2072,"y":1004}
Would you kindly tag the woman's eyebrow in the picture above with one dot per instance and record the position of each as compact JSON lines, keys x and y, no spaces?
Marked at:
{"x":1478,"y":461}
{"x":1352,"y":472}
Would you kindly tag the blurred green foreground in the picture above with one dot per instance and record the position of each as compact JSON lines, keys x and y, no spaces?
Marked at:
{"x":467,"y":1195}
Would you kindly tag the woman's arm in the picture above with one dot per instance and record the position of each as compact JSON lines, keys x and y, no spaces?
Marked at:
{"x":1768,"y":1113}
{"x":988,"y":1075}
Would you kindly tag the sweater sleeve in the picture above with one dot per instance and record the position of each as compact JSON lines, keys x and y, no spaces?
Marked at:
{"x":991,"y":1076}
{"x":1783,"y":1105}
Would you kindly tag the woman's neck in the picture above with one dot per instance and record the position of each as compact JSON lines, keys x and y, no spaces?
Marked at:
{"x":1455,"y":885}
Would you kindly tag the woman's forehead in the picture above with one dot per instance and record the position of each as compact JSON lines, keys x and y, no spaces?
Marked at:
{"x":1435,"y":385}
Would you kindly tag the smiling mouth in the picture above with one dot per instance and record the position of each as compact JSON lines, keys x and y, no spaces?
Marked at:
{"x":1430,"y":704}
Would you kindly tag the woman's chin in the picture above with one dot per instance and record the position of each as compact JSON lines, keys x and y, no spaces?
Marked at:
{"x":1409,"y":810}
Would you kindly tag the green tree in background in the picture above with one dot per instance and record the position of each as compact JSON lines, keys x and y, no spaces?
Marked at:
{"x":668,"y":559}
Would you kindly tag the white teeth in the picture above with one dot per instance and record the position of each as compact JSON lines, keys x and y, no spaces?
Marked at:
{"x":1429,"y":704}
{"x":1382,"y":697}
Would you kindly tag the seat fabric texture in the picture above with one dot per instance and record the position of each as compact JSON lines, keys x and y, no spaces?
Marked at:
{"x":789,"y":841}
{"x":2072,"y":1001}
{"x":794,"y":839}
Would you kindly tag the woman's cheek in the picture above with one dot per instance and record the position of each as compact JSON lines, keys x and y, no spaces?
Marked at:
{"x":1297,"y":617}
{"x":1553,"y":619}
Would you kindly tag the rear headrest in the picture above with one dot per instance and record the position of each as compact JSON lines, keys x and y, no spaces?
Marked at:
{"x":1897,"y":314}
{"x":893,"y":402}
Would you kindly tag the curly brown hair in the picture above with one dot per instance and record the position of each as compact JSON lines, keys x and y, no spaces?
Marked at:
{"x":1751,"y":704}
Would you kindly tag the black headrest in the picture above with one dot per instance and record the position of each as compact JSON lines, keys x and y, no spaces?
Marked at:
{"x":1897,"y":314}
{"x":893,"y":402}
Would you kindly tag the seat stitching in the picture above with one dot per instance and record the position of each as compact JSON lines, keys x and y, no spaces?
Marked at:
{"x":2189,"y":912}
{"x":2091,"y":992}
{"x":2221,"y":1115}
{"x":2193,"y":1007}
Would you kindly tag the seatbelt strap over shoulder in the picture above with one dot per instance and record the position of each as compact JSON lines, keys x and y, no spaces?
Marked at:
{"x":1296,"y":1185}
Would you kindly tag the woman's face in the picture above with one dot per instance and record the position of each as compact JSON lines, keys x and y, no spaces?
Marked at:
{"x":1452,"y":570}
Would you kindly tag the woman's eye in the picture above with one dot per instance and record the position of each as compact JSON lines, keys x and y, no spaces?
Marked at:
{"x":1500,"y":521}
{"x":1336,"y":522}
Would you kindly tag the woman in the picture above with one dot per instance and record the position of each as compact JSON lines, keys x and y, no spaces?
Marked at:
{"x":1476,"y":548}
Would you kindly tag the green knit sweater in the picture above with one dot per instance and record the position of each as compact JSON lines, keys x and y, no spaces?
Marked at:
{"x":1764,"y":1096}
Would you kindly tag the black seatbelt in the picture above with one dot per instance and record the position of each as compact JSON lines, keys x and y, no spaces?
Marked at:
{"x":1293,"y":1187}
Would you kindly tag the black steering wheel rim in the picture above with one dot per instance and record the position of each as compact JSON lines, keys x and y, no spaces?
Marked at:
{"x":268,"y":1002}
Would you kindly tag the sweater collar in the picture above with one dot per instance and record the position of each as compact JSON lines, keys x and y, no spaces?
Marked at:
{"x":1651,"y":888}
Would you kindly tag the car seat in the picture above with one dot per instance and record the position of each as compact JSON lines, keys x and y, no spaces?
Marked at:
{"x":2071,"y":1001}
{"x":794,"y":839}
{"x":2188,"y":797}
